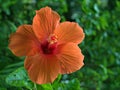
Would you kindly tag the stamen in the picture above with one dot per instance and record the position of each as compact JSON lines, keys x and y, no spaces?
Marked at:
{"x":50,"y":44}
{"x":52,"y":39}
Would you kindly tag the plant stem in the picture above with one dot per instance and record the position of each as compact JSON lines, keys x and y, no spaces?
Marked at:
{"x":35,"y":86}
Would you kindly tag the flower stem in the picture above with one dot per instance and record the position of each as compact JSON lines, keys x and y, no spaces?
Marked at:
{"x":35,"y":86}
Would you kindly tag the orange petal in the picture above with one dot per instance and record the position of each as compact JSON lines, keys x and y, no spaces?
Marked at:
{"x":69,"y":32}
{"x":23,"y":42}
{"x":42,"y":69}
{"x":44,"y":22}
{"x":71,"y":58}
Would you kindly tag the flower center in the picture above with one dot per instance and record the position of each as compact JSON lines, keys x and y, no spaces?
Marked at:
{"x":49,"y":46}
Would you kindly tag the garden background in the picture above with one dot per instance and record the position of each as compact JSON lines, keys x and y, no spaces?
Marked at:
{"x":100,"y":20}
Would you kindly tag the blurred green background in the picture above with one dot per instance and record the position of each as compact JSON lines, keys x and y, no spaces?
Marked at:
{"x":100,"y":20}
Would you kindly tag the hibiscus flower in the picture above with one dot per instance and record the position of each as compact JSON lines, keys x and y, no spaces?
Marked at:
{"x":50,"y":47}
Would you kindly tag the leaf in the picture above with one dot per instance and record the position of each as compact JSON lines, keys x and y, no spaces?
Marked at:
{"x":44,"y":87}
{"x":11,"y":67}
{"x":3,"y":84}
{"x":74,"y":84}
{"x":57,"y":81}
{"x":19,"y":78}
{"x":2,"y":88}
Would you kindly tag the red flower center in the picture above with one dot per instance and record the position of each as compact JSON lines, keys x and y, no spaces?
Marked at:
{"x":49,"y":46}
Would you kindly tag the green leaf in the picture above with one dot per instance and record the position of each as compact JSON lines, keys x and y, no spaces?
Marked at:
{"x":2,"y":88}
{"x":3,"y":84}
{"x":11,"y":67}
{"x":44,"y":87}
{"x":57,"y":81}
{"x":74,"y":84}
{"x":19,"y":78}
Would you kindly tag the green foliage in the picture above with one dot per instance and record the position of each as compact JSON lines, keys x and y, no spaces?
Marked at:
{"x":45,"y":87}
{"x":101,"y":47}
{"x":73,"y":84}
{"x":19,"y":78}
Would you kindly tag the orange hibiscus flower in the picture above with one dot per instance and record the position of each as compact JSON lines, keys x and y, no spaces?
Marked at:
{"x":50,"y":47}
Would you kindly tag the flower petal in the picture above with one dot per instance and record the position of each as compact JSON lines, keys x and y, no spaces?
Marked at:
{"x":69,"y":32}
{"x":42,"y":69}
{"x":24,"y":42}
{"x":71,"y":58}
{"x":44,"y":22}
